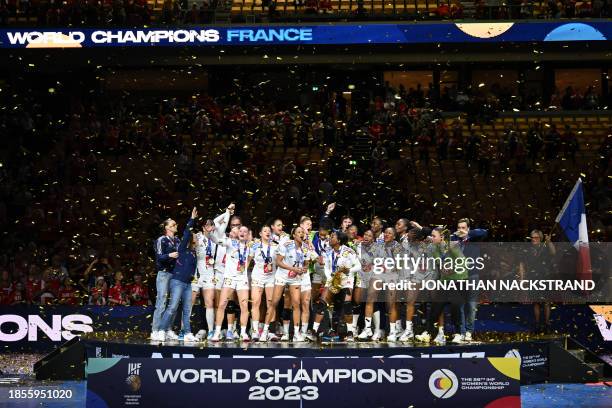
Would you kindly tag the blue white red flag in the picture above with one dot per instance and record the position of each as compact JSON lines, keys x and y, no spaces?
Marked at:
{"x":572,"y":220}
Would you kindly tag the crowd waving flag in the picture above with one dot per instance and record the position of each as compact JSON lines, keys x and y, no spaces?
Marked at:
{"x":572,"y":220}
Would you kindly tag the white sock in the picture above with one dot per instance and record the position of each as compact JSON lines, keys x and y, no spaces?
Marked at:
{"x":391,"y":327}
{"x":355,"y":320}
{"x":441,"y":330}
{"x":304,"y":328}
{"x":286,"y":328}
{"x":243,"y":330}
{"x":315,"y":326}
{"x":231,"y":327}
{"x":217,"y":329}
{"x":210,"y":317}
{"x":368,"y":323}
{"x":408,"y":325}
{"x":398,"y":325}
{"x":266,"y":327}
{"x":376,"y":319}
{"x":350,"y":328}
{"x":296,"y":330}
{"x":254,"y":325}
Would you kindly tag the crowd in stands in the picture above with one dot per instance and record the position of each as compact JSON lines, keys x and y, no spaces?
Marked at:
{"x":140,"y":12}
{"x":85,"y":183}
{"x":101,"y":13}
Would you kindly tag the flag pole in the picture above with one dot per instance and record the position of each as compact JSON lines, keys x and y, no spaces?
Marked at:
{"x":567,"y":201}
{"x":553,"y":229}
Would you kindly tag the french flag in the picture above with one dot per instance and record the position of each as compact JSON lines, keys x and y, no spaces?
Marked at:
{"x":572,"y":220}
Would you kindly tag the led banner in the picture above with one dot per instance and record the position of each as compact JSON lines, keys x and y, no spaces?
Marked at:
{"x":491,"y":382}
{"x":322,"y":34}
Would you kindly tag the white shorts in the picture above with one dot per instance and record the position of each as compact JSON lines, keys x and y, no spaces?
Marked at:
{"x":362,"y":279}
{"x":218,"y":280}
{"x":237,"y":282}
{"x":420,"y":276}
{"x":318,"y":276}
{"x":389,"y":277}
{"x":282,"y":278}
{"x":206,"y":279}
{"x":306,"y":285}
{"x":196,"y":285}
{"x":262,"y":280}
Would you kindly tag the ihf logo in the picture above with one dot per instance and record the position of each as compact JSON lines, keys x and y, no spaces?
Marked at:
{"x":133,"y":380}
{"x":443,"y":383}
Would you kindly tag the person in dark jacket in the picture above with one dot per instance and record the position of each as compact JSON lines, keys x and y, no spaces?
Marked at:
{"x":467,"y":239}
{"x":166,"y":253}
{"x":180,"y":286}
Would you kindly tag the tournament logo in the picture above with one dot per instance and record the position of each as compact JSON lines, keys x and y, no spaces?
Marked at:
{"x":514,"y":353}
{"x":443,"y":383}
{"x":133,"y":380}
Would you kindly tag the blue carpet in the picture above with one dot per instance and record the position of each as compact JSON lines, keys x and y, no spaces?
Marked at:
{"x":566,"y":395}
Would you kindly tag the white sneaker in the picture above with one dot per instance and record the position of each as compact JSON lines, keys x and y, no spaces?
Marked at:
{"x":170,"y":335}
{"x":457,"y":339}
{"x":272,"y":337}
{"x":349,"y":338}
{"x":298,"y":337}
{"x":407,"y":335}
{"x":423,"y":337}
{"x":153,"y":335}
{"x":378,"y":335}
{"x":263,"y":337}
{"x":392,"y":337}
{"x":366,"y":334}
{"x":285,"y":337}
{"x":244,"y":337}
{"x":190,"y":338}
{"x":468,"y":336}
{"x":161,"y":336}
{"x":440,"y":339}
{"x":229,"y":335}
{"x":216,"y":337}
{"x":255,"y":335}
{"x":310,"y":337}
{"x":200,"y":335}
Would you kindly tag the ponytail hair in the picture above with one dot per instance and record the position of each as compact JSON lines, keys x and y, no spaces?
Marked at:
{"x":164,"y":224}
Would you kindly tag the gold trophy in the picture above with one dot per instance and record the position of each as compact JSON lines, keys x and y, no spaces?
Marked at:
{"x":336,"y":283}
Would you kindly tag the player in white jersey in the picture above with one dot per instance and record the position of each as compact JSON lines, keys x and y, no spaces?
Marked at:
{"x":306,"y":288}
{"x":415,"y":246}
{"x":390,"y":249}
{"x":320,"y":243}
{"x":376,"y":226}
{"x":280,"y":237}
{"x":263,"y":253}
{"x":367,"y":250}
{"x":235,"y":279}
{"x":221,"y":222}
{"x":204,"y":278}
{"x":341,"y":265}
{"x":292,"y":262}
